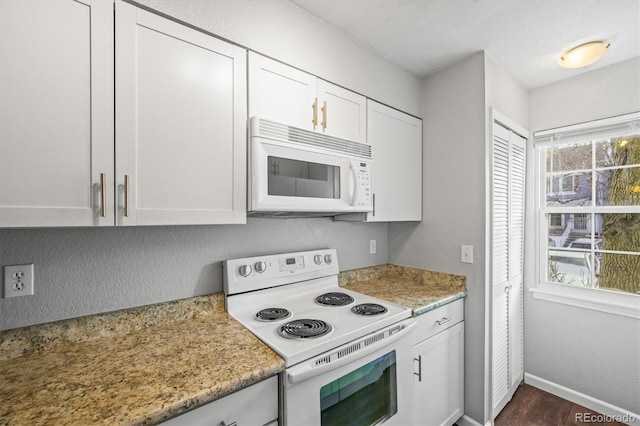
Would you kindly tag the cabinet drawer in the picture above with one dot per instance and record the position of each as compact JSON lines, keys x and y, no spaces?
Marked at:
{"x":254,"y":405}
{"x":438,"y":320}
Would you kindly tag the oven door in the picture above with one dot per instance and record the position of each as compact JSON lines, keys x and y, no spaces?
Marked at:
{"x":365,"y":382}
{"x":289,"y":178}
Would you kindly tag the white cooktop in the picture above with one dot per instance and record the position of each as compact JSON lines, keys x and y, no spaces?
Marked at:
{"x":299,"y":299}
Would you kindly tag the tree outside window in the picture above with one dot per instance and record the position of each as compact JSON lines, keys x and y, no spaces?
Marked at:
{"x":592,"y":211}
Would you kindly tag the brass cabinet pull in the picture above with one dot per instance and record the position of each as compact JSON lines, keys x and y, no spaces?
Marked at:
{"x":103,"y":196}
{"x":126,"y":195}
{"x":324,"y":115}
{"x":314,"y":120}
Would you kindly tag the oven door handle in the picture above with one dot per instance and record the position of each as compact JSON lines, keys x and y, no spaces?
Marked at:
{"x":318,"y":365}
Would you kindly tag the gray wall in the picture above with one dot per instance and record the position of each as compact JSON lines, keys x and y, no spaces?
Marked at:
{"x":590,"y":352}
{"x":453,"y":203}
{"x":81,"y":271}
{"x":456,"y":125}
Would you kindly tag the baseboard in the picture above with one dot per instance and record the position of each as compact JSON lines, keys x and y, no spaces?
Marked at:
{"x":602,"y":407}
{"x":468,"y":421}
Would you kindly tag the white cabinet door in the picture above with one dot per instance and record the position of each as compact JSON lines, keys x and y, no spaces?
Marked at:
{"x":180,"y":123}
{"x":343,"y":113}
{"x":396,"y":145}
{"x":56,"y":113}
{"x":254,"y":405}
{"x":439,"y":381}
{"x":283,"y":94}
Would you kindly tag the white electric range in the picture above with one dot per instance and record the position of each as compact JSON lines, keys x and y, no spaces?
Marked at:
{"x":341,"y":348}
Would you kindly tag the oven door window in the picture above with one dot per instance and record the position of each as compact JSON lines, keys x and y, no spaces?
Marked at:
{"x":294,"y":178}
{"x":363,"y":397}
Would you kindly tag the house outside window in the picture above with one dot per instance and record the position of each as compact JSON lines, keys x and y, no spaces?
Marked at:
{"x":588,"y":203}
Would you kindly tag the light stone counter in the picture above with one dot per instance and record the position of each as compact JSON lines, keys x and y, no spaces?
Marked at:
{"x":137,"y":366}
{"x":418,"y":289}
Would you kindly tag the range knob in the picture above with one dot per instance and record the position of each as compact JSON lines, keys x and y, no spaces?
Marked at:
{"x":328,"y":259}
{"x":245,"y":270}
{"x":318,"y":259}
{"x":260,"y":267}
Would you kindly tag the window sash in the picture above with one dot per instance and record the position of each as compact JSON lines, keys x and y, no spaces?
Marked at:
{"x":619,"y":303}
{"x":622,"y":125}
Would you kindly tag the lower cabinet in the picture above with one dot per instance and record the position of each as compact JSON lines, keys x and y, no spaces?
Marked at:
{"x":439,"y":366}
{"x":254,"y":405}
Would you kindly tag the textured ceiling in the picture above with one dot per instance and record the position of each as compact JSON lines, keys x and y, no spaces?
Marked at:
{"x":524,"y":37}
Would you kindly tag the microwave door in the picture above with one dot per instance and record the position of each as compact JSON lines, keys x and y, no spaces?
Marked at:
{"x":293,"y":179}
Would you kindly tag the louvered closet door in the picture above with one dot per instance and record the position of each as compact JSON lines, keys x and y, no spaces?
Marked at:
{"x":508,"y":185}
{"x":516,"y":258}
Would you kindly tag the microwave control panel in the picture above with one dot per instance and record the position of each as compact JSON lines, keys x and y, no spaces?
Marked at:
{"x":363,"y":181}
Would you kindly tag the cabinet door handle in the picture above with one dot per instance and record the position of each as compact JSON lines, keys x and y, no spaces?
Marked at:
{"x":324,"y":115}
{"x":419,"y":373}
{"x":444,"y":320}
{"x":126,"y":195}
{"x":103,"y":196}
{"x":314,"y":120}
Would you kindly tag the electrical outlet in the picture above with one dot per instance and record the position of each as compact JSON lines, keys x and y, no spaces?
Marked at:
{"x":372,"y":246}
{"x":467,"y":254}
{"x":18,"y":280}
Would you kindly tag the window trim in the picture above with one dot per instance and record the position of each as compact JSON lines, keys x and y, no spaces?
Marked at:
{"x":608,"y":301}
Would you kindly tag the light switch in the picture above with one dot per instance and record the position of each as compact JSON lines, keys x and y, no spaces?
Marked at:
{"x":467,"y":254}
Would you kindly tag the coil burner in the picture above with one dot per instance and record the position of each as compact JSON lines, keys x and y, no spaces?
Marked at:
{"x":272,"y":314}
{"x":304,"y":329}
{"x":369,"y":309}
{"x":334,"y":299}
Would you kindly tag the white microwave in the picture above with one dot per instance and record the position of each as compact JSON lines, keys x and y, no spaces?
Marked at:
{"x":296,"y":172}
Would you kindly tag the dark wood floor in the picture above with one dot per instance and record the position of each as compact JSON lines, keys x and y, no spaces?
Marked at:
{"x":534,"y":407}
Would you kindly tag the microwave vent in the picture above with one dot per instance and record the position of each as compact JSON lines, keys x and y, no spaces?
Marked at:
{"x":282,"y":132}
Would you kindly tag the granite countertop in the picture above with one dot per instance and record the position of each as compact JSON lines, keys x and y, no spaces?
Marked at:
{"x":418,"y":289}
{"x":143,"y":365}
{"x":138,"y":366}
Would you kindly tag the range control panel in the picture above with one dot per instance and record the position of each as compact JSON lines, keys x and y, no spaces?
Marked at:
{"x":292,"y":263}
{"x":255,"y":273}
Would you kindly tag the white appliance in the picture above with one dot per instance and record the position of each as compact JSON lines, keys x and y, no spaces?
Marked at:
{"x":348,"y":356}
{"x":296,"y":172}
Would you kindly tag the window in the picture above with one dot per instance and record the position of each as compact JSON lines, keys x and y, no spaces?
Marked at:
{"x":589,"y":209}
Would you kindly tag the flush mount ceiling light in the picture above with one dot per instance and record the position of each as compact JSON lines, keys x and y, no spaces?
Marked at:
{"x":583,"y":55}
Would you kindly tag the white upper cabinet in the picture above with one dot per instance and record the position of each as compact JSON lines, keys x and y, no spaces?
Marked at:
{"x":342,"y":113}
{"x":280,"y":93}
{"x":396,"y":146}
{"x":180,"y":123}
{"x":180,"y":118}
{"x":56,"y":113}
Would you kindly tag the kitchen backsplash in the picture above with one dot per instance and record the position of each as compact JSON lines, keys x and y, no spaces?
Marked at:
{"x":85,"y":271}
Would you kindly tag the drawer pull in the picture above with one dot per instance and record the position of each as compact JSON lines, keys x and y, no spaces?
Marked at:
{"x":223,"y":423}
{"x":419,"y":373}
{"x":444,"y":320}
